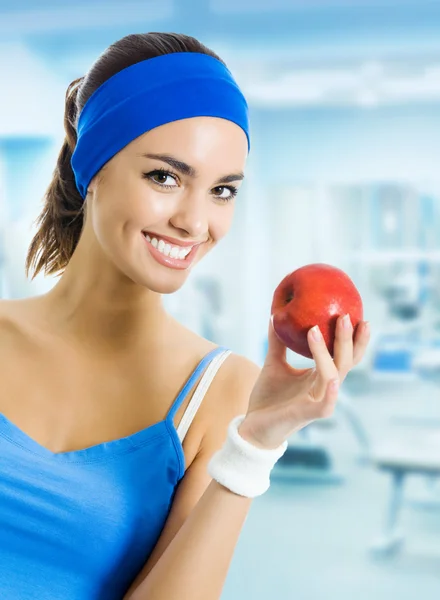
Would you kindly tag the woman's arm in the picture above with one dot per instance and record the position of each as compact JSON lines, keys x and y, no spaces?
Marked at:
{"x":281,"y":401}
{"x":192,"y":557}
{"x":195,"y":564}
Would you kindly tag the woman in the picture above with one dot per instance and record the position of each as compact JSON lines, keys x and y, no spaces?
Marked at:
{"x":116,"y":480}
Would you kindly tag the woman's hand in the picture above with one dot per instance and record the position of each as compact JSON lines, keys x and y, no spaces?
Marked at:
{"x":285,"y":399}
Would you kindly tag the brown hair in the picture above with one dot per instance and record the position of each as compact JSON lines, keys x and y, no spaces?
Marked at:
{"x":61,"y":221}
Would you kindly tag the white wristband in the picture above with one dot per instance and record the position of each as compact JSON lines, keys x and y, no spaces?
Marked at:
{"x":241,"y":467}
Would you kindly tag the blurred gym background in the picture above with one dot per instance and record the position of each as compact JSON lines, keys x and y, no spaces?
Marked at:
{"x":344,"y":169}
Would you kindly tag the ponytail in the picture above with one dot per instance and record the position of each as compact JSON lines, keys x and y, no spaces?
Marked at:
{"x":61,"y":220}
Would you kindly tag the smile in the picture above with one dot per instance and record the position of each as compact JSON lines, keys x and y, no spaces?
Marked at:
{"x":171,"y":256}
{"x":169,"y":250}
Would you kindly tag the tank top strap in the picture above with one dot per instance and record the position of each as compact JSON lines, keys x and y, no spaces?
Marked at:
{"x":206,"y":360}
{"x":199,"y":393}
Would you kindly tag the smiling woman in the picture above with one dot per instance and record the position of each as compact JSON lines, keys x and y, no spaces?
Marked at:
{"x":131,"y":449}
{"x":110,"y":431}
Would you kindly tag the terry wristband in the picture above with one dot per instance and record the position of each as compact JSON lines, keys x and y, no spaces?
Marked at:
{"x":241,"y":467}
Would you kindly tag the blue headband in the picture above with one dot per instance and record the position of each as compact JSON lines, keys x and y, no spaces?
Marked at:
{"x":146,"y":95}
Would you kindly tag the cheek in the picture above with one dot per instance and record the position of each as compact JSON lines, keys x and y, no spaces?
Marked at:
{"x":132,"y":207}
{"x":143,"y":205}
{"x":221,"y":221}
{"x":154,"y":206}
{"x":112,"y":218}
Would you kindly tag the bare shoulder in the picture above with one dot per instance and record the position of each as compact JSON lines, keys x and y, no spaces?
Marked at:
{"x":5,"y":306}
{"x":234,"y":380}
{"x":13,"y":340}
{"x":16,"y":330}
{"x":229,"y":392}
{"x":9,"y":324}
{"x":239,"y":377}
{"x":228,"y":397}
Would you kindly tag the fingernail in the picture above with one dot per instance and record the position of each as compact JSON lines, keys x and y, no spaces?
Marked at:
{"x":367,"y":326}
{"x":334,"y":385}
{"x":346,"y":321}
{"x":316,"y":334}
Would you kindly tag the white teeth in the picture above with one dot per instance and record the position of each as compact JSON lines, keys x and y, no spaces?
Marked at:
{"x":167,"y":249}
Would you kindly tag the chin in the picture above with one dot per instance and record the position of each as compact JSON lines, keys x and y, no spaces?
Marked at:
{"x":168,"y":287}
{"x":166,"y":283}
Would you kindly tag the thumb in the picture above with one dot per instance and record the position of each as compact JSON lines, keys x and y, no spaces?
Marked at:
{"x":276,"y":348}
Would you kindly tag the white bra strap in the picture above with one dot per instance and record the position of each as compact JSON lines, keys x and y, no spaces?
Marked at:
{"x":200,"y":392}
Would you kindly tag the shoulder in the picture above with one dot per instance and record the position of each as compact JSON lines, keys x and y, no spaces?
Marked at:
{"x":16,"y":313}
{"x":228,"y":393}
{"x":16,"y":332}
{"x":233,"y":382}
{"x":239,"y":377}
{"x":9,"y":324}
{"x":232,"y":388}
{"x":12,"y":339}
{"x":236,"y":373}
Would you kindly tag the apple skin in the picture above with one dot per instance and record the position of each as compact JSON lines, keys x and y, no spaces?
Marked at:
{"x":315,"y":294}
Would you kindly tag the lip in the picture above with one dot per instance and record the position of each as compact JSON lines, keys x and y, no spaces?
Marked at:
{"x":174,"y":241}
{"x":173,"y":263}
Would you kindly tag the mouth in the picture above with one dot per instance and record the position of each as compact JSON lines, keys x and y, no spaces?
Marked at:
{"x":172,"y":256}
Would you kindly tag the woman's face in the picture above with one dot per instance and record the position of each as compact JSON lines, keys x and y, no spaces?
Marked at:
{"x":169,"y":191}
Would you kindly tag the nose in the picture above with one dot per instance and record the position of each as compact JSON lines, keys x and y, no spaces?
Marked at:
{"x":191,"y":215}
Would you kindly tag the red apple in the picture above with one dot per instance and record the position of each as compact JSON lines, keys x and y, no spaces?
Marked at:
{"x":315,"y":294}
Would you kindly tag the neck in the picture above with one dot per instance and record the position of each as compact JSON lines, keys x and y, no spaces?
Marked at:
{"x":102,"y":308}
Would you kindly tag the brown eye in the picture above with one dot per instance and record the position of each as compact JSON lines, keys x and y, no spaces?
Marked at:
{"x":162,"y":178}
{"x":227,"y":193}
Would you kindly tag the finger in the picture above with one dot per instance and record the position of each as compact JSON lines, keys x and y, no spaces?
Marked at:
{"x":343,"y":347}
{"x":361,"y":340}
{"x":276,"y":348}
{"x":325,"y":408}
{"x":331,"y":395}
{"x":325,"y":366}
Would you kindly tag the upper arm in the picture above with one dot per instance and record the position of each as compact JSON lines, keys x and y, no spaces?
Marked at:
{"x":231,"y":400}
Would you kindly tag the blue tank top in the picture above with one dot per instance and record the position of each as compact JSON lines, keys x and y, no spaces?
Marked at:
{"x":80,"y":525}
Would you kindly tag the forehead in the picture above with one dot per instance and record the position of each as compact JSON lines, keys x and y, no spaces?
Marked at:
{"x":203,"y":142}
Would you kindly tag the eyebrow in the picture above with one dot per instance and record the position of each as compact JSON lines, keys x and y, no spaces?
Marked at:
{"x":186,"y":169}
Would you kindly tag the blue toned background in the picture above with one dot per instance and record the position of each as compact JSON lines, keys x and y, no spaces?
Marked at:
{"x":345,"y":111}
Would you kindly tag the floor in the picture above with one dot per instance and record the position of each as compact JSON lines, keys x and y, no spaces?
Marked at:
{"x":312,"y":541}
